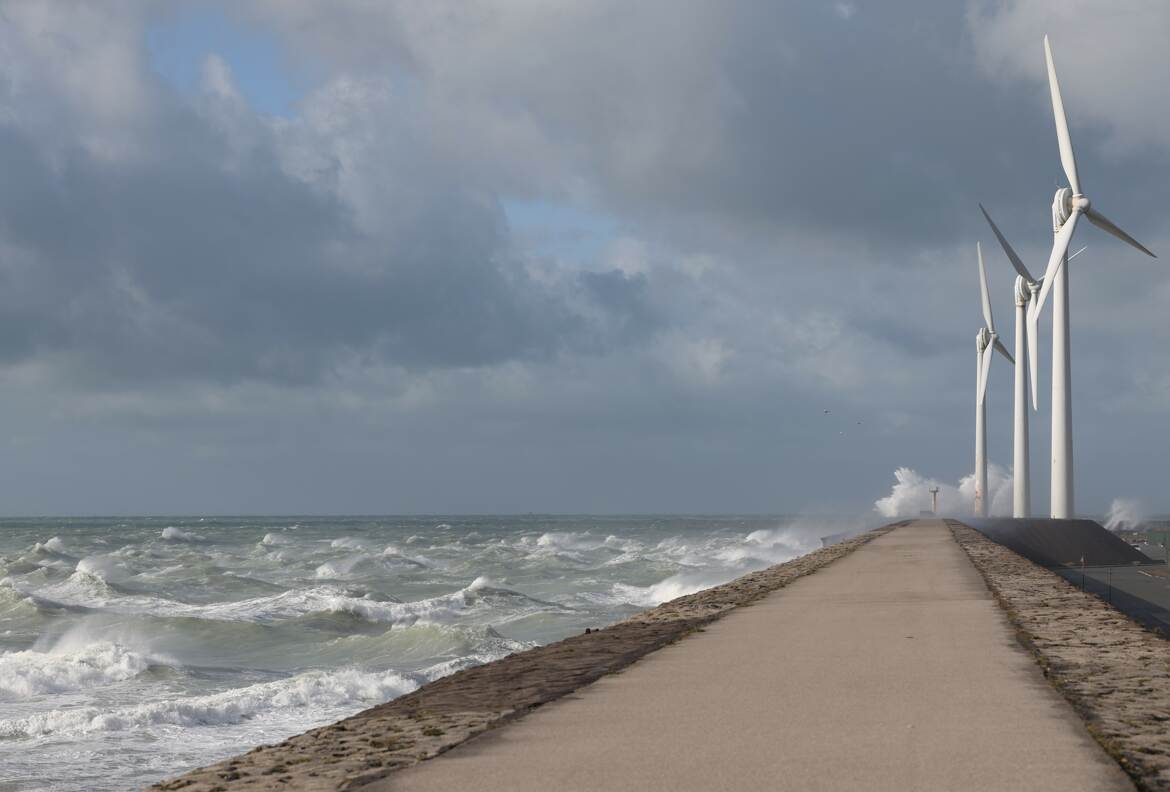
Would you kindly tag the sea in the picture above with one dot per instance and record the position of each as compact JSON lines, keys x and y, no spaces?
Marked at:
{"x":134,"y":649}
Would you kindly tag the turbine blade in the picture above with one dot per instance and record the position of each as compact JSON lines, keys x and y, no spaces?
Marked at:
{"x":1105,"y":224}
{"x":983,"y":289}
{"x":1067,"y":159}
{"x":984,"y":371}
{"x":1011,"y":254}
{"x":1001,"y":349}
{"x":1059,"y":248}
{"x":1079,"y":252}
{"x":1033,"y":333}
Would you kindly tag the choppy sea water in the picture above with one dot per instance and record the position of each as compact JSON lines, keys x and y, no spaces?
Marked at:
{"x":132,"y":649}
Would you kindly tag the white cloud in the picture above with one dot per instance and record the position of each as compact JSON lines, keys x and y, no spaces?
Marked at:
{"x":1111,"y":58}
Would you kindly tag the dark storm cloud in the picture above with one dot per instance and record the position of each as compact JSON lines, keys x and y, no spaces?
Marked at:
{"x":626,"y":300}
{"x":746,"y":117}
{"x":198,"y":261}
{"x":880,"y":126}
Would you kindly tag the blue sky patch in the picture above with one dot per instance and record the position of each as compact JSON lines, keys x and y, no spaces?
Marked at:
{"x":179,"y":44}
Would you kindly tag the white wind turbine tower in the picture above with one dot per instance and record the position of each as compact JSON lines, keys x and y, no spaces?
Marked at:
{"x":985,"y":340}
{"x":1025,"y":292}
{"x":1067,"y":207}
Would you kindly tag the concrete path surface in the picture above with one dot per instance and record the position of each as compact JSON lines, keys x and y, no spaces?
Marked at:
{"x":890,"y":669}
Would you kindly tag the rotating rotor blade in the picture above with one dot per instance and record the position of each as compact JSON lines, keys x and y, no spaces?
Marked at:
{"x":1059,"y":248}
{"x":1001,"y":349}
{"x":1082,"y":250}
{"x":1011,"y":254}
{"x":1033,"y":334}
{"x":984,"y":370}
{"x":1067,"y":159}
{"x":1103,"y":222}
{"x":983,"y":290}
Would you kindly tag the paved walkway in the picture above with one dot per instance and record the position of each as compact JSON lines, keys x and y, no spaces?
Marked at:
{"x":891,"y":669}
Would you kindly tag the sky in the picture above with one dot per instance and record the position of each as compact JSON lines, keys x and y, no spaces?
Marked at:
{"x":282,"y":256}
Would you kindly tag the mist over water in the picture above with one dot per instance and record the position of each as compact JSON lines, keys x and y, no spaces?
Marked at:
{"x":131,"y":650}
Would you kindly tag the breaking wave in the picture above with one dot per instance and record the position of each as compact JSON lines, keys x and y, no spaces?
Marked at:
{"x":673,"y":587}
{"x":173,"y":534}
{"x":87,"y":591}
{"x":317,"y":690}
{"x":30,"y":673}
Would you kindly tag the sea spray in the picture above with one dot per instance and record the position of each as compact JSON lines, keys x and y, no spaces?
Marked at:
{"x":1125,"y":514}
{"x":911,"y":494}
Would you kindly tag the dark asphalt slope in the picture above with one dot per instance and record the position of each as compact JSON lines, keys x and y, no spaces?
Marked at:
{"x":1058,"y":543}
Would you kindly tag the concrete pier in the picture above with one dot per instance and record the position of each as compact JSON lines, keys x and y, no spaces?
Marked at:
{"x":892,"y":668}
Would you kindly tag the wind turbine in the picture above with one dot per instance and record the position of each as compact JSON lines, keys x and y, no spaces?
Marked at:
{"x":985,"y":341}
{"x":1027,"y":333}
{"x":1067,"y":208}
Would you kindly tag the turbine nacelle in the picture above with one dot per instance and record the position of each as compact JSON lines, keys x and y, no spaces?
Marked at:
{"x":986,"y":338}
{"x":1065,"y":203}
{"x":1025,"y":289}
{"x":983,"y":339}
{"x":1070,"y":204}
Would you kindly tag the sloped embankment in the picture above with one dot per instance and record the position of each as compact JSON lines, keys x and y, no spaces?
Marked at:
{"x":1113,"y":671}
{"x":448,"y":711}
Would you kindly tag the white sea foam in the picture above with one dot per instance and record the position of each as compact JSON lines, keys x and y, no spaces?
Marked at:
{"x":82,"y":588}
{"x":30,"y":673}
{"x":89,"y":591}
{"x":271,"y":539}
{"x":52,"y":553}
{"x":173,"y":534}
{"x":347,"y":543}
{"x":395,"y":552}
{"x":481,"y":582}
{"x":313,"y":690}
{"x":53,"y":545}
{"x":362,"y":564}
{"x":343,"y":567}
{"x":673,"y":587}
{"x":10,"y":598}
{"x":569,"y":540}
{"x":104,"y":567}
{"x":773,"y":545}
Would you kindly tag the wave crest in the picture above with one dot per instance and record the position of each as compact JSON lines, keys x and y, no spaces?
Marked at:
{"x":30,"y":673}
{"x":173,"y":534}
{"x":316,"y":690}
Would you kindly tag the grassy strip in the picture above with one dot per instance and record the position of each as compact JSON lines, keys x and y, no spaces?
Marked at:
{"x":438,"y":716}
